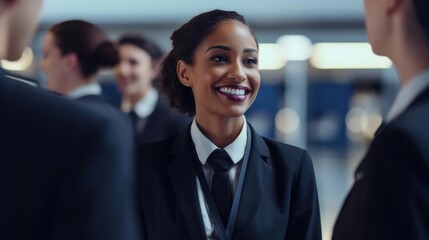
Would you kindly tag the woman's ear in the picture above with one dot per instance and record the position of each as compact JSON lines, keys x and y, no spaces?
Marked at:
{"x":71,"y":60}
{"x":392,"y":6}
{"x":183,"y":71}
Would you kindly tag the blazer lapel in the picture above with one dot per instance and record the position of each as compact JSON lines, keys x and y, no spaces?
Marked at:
{"x":183,"y":177}
{"x":421,"y":98}
{"x":258,"y":177}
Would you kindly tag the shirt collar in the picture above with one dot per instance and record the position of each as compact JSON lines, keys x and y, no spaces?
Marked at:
{"x":407,"y":94}
{"x":147,"y":104}
{"x":204,"y":147}
{"x":85,"y":90}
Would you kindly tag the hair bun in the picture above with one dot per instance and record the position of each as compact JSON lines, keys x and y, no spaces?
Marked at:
{"x":106,"y":54}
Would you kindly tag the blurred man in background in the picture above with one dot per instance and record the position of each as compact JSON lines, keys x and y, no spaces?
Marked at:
{"x":66,"y":171}
{"x":390,"y":197}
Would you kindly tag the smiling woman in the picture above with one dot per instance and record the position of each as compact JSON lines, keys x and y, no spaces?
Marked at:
{"x":225,"y":65}
{"x":207,"y":182}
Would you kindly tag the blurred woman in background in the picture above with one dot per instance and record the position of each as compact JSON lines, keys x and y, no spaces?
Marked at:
{"x":136,"y":74}
{"x":73,"y":53}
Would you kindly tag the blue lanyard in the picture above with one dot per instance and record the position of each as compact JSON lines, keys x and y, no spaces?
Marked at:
{"x":222,"y":233}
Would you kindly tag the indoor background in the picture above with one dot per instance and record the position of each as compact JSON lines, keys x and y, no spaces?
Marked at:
{"x":322,"y":87}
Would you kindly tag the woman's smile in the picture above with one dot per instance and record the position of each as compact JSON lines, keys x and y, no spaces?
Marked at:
{"x":234,"y":93}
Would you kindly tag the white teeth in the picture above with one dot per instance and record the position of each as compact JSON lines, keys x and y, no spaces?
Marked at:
{"x":232,"y":91}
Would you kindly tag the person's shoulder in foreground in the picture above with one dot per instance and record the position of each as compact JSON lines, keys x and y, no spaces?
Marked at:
{"x":75,"y":164}
{"x":389,"y":199}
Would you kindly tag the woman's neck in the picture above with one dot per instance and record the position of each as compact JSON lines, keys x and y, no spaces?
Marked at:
{"x":71,"y":84}
{"x":222,"y":131}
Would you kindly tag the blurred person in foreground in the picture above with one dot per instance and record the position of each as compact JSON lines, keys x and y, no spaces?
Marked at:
{"x":153,"y":119}
{"x":390,"y":196}
{"x":218,"y":178}
{"x":66,"y":171}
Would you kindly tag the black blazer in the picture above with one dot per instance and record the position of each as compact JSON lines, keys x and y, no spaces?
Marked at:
{"x":162,"y":123}
{"x":66,"y":172}
{"x":94,"y":99}
{"x":98,"y":104}
{"x":390,"y":196}
{"x":279,"y":198}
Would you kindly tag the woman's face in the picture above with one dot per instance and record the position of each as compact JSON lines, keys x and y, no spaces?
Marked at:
{"x":21,"y":24}
{"x":377,"y":25}
{"x":53,"y":64}
{"x":224,"y":77}
{"x":135,"y":71}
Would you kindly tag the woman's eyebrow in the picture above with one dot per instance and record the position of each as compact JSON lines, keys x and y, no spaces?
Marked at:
{"x":247,"y":50}
{"x":220,"y":47}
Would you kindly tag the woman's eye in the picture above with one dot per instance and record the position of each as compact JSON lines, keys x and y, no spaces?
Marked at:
{"x":133,"y":62}
{"x":251,"y":61}
{"x":219,"y":58}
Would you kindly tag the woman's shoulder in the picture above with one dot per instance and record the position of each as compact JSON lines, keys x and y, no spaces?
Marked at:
{"x":285,"y":155}
{"x":268,"y":146}
{"x":164,"y":151}
{"x":271,"y":143}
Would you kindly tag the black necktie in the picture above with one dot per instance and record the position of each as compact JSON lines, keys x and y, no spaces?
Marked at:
{"x":135,"y":122}
{"x":221,"y":187}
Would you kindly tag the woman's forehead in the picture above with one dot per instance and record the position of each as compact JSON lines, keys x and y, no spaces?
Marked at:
{"x":230,"y":32}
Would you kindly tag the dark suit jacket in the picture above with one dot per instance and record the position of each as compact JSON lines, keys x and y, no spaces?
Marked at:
{"x":95,"y":99}
{"x":390,"y":197}
{"x":162,"y":123}
{"x":279,"y":198}
{"x":98,"y":104}
{"x":66,"y":172}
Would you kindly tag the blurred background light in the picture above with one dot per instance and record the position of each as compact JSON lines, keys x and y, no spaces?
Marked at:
{"x":347,"y":56}
{"x":22,"y":63}
{"x":354,"y":119}
{"x":362,"y":124}
{"x":270,"y":56}
{"x":295,"y":47}
{"x":370,"y":126}
{"x":287,"y":121}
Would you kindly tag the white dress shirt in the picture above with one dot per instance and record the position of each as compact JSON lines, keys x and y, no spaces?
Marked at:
{"x":407,"y":94}
{"x":204,"y":147}
{"x":87,"y":89}
{"x":145,"y":106}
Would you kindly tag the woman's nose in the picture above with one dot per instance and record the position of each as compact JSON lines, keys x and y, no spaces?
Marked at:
{"x":236,"y":72}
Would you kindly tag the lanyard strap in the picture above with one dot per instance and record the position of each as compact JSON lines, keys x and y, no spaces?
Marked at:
{"x":225,"y":234}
